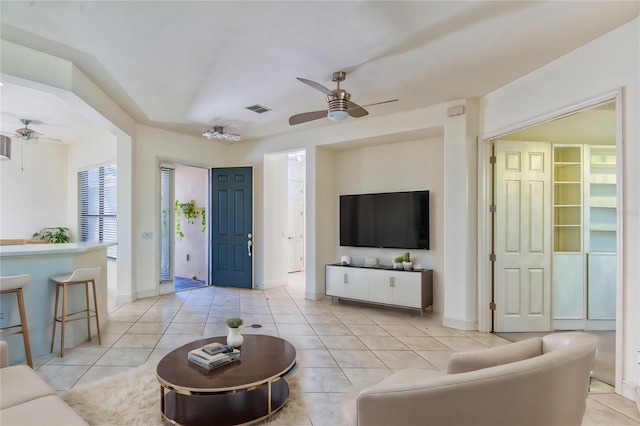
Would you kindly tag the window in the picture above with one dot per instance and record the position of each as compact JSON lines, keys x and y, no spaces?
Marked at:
{"x":97,"y":204}
{"x":167,"y":173}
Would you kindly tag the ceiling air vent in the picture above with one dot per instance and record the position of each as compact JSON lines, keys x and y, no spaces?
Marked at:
{"x":258,"y":108}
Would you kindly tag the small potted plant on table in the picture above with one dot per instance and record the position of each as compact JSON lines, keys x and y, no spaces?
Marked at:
{"x":234,"y":338}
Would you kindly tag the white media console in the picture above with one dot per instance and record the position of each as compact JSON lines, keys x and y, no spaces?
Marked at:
{"x":380,"y":285}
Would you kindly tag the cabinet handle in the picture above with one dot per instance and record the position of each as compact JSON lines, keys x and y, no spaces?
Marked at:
{"x":392,"y":282}
{"x":346,"y":278}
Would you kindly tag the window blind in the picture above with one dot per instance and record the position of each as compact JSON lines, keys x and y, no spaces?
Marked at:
{"x":97,"y":205}
{"x":167,"y":222}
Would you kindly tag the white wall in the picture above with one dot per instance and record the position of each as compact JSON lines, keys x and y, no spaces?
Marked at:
{"x":275,"y":220}
{"x":192,"y":183}
{"x":403,"y":166}
{"x":36,"y":197}
{"x":608,"y":63}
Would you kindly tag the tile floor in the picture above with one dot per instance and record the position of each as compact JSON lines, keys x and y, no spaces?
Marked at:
{"x":341,"y":347}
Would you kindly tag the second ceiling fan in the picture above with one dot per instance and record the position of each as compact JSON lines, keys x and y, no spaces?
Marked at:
{"x":339,"y":103}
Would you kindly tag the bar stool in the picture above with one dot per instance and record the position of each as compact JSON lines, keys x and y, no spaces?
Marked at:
{"x":79,"y":276}
{"x":14,"y":284}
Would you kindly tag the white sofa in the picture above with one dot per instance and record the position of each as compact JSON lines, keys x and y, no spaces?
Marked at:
{"x":539,"y":381}
{"x":26,"y":399}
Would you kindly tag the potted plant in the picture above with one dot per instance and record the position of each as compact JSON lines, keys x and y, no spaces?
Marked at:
{"x":190,"y":212}
{"x":397,"y":262}
{"x":234,"y":338}
{"x":55,"y":235}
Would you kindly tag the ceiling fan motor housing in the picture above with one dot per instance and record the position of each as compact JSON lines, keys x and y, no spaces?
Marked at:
{"x":338,"y":103}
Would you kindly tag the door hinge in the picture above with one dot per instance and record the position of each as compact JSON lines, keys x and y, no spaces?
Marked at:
{"x":492,"y":306}
{"x":492,"y":208}
{"x":492,"y":257}
{"x":492,"y":159}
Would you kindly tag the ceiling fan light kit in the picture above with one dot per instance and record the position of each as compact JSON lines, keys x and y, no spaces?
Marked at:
{"x":219,"y":133}
{"x":339,"y":105}
{"x":5,"y":148}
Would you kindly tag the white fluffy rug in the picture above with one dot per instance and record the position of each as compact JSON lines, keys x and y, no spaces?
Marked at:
{"x":133,"y":398}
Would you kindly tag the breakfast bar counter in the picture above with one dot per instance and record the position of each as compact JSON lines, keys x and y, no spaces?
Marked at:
{"x":43,"y":261}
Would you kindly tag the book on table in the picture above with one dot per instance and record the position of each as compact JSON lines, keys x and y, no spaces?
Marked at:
{"x":203,"y":359}
{"x":216,"y":348}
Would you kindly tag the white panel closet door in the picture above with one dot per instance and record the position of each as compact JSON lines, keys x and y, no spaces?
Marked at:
{"x":523,"y":236}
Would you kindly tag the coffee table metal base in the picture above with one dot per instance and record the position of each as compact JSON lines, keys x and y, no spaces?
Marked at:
{"x":239,"y":408}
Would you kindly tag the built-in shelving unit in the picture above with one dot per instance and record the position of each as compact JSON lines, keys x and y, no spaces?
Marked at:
{"x":584,"y":225}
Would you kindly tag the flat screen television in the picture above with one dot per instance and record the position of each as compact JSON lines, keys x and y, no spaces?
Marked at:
{"x":385,"y":220}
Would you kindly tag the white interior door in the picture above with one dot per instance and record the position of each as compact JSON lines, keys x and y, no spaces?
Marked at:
{"x":296,"y":225}
{"x":523,"y":236}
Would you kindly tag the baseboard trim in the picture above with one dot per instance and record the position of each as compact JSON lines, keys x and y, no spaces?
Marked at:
{"x":460,"y":324}
{"x":630,"y":391}
{"x":271,"y":284}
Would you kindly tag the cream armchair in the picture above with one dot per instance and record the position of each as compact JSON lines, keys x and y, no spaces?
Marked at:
{"x":539,"y":381}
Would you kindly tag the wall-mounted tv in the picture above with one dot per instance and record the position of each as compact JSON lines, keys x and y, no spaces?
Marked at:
{"x":385,"y":220}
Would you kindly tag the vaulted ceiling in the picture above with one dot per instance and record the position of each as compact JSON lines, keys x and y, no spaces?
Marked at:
{"x":190,"y":65}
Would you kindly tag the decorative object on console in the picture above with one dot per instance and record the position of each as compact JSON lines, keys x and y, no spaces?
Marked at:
{"x":370,"y":262}
{"x":234,"y":338}
{"x":345,"y":260}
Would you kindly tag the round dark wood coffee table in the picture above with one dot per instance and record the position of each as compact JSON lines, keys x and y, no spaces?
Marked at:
{"x":243,"y":392}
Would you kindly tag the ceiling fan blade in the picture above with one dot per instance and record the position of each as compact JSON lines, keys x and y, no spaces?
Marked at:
{"x":307,"y":116}
{"x":316,"y":86}
{"x":356,"y":110}
{"x":383,"y":102}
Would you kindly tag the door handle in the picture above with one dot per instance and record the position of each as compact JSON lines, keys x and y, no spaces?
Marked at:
{"x":249,"y":244}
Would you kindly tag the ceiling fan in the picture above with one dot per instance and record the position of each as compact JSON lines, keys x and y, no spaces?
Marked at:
{"x":338,"y":100}
{"x":25,"y":133}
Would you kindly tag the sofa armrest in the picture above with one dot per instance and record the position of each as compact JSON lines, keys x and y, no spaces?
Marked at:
{"x":462,"y":362}
{"x":4,"y":354}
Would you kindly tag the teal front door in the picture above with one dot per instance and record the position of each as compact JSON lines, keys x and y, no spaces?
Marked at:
{"x":232,"y":227}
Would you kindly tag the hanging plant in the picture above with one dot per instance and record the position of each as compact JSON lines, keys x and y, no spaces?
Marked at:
{"x":190,"y":212}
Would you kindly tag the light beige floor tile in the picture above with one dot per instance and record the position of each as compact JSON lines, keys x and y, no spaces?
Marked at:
{"x":163,"y":317}
{"x":618,"y":403}
{"x":295,"y":329}
{"x":331,"y":330}
{"x":138,"y":341}
{"x":116,"y":327}
{"x":597,"y":414}
{"x":387,"y":320}
{"x":322,"y":319}
{"x":190,"y":317}
{"x":491,"y":341}
{"x":343,"y":342}
{"x":358,"y":359}
{"x":173,"y":341}
{"x":255,"y":310}
{"x":258,"y":319}
{"x":108,"y":340}
{"x":121,"y":357}
{"x":402,"y":330}
{"x":317,"y":309}
{"x":214,"y":329}
{"x":148,"y":328}
{"x":354,"y":319}
{"x":596,"y":386}
{"x":157,"y":354}
{"x":322,"y":380}
{"x":363,"y":377}
{"x":304,"y":342}
{"x":436,"y":331}
{"x":78,"y":356}
{"x":268,"y":329}
{"x":129,"y":317}
{"x":62,"y":377}
{"x":385,"y":343}
{"x":289,"y":319}
{"x":42,"y":359}
{"x":285,"y":310}
{"x":460,"y":343}
{"x":367,"y":330}
{"x":403,"y":359}
{"x":315,"y":358}
{"x":185,"y":328}
{"x":194,"y":309}
{"x":439,"y":359}
{"x":425,"y":343}
{"x":325,"y":409}
{"x":97,"y":372}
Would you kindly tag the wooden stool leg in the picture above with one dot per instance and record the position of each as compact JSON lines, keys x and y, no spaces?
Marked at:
{"x":95,"y":305}
{"x":86,"y":295}
{"x":25,"y":328}
{"x":64,"y":318}
{"x":55,"y":316}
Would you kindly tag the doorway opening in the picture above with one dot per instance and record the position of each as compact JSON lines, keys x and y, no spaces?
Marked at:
{"x":555,"y":194}
{"x":295,"y":207}
{"x":184,"y":249}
